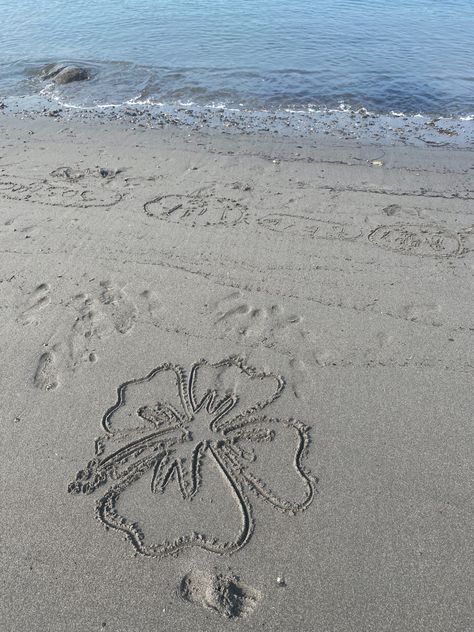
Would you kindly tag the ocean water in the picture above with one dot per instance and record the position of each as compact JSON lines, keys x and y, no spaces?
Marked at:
{"x":410,"y":56}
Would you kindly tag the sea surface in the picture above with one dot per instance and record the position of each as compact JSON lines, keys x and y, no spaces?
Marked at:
{"x":388,"y":56}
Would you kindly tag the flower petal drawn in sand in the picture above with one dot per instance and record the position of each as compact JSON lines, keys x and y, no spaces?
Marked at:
{"x":171,"y":424}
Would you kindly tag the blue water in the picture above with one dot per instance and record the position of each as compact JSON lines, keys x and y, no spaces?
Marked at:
{"x":412,"y":56}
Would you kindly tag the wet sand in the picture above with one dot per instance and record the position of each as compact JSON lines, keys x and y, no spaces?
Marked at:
{"x":237,"y":381}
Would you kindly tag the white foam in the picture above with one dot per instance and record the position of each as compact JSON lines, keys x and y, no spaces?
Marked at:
{"x":106,"y":106}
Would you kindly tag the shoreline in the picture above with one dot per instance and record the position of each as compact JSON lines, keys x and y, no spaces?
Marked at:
{"x":343,"y":124}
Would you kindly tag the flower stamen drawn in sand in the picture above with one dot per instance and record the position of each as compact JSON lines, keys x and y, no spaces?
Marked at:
{"x":167,"y":430}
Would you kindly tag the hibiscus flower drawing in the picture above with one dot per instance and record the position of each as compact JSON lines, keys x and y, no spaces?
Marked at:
{"x":166,"y":428}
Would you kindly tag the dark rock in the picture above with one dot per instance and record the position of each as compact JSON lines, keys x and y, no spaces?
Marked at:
{"x":48,"y":72}
{"x":62,"y":74}
{"x":71,"y":73}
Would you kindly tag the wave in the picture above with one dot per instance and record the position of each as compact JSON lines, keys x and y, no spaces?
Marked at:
{"x":253,"y":88}
{"x":231,"y":98}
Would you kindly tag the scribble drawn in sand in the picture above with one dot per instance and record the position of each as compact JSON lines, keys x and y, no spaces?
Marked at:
{"x":222,"y":593}
{"x":197,"y":210}
{"x":308,"y":227}
{"x":168,"y":428}
{"x":419,"y":240}
{"x":200,"y":210}
{"x":70,"y":194}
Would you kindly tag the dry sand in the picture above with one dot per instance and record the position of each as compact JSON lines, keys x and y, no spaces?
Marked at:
{"x":328,"y":289}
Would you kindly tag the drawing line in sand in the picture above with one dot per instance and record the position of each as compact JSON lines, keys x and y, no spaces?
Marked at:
{"x":406,"y":239}
{"x":420,"y":240}
{"x":197,"y":210}
{"x":51,"y":194}
{"x":171,"y":426}
{"x":309,"y":227}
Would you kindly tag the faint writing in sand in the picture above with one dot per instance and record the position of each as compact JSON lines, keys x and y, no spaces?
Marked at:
{"x":53,"y":194}
{"x":420,"y":240}
{"x":170,"y":427}
{"x":196,"y":210}
{"x":308,"y":226}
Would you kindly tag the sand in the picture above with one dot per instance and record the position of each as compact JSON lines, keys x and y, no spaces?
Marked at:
{"x":237,"y":381}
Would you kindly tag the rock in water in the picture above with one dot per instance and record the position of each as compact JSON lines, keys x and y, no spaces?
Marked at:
{"x":71,"y":73}
{"x":66,"y":74}
{"x":48,"y":72}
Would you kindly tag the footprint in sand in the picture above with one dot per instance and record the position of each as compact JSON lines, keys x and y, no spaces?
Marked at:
{"x":90,"y":325}
{"x":428,"y":313}
{"x":221,"y":592}
{"x":154,"y":306}
{"x":97,"y":316}
{"x":297,"y":375}
{"x":38,"y":299}
{"x":257,"y":323}
{"x":118,"y":307}
{"x":46,"y":376}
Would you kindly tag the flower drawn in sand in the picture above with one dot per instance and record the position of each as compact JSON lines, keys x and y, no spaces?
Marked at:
{"x":167,"y":429}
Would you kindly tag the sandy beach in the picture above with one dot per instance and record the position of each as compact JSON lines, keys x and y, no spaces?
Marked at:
{"x":237,"y":381}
